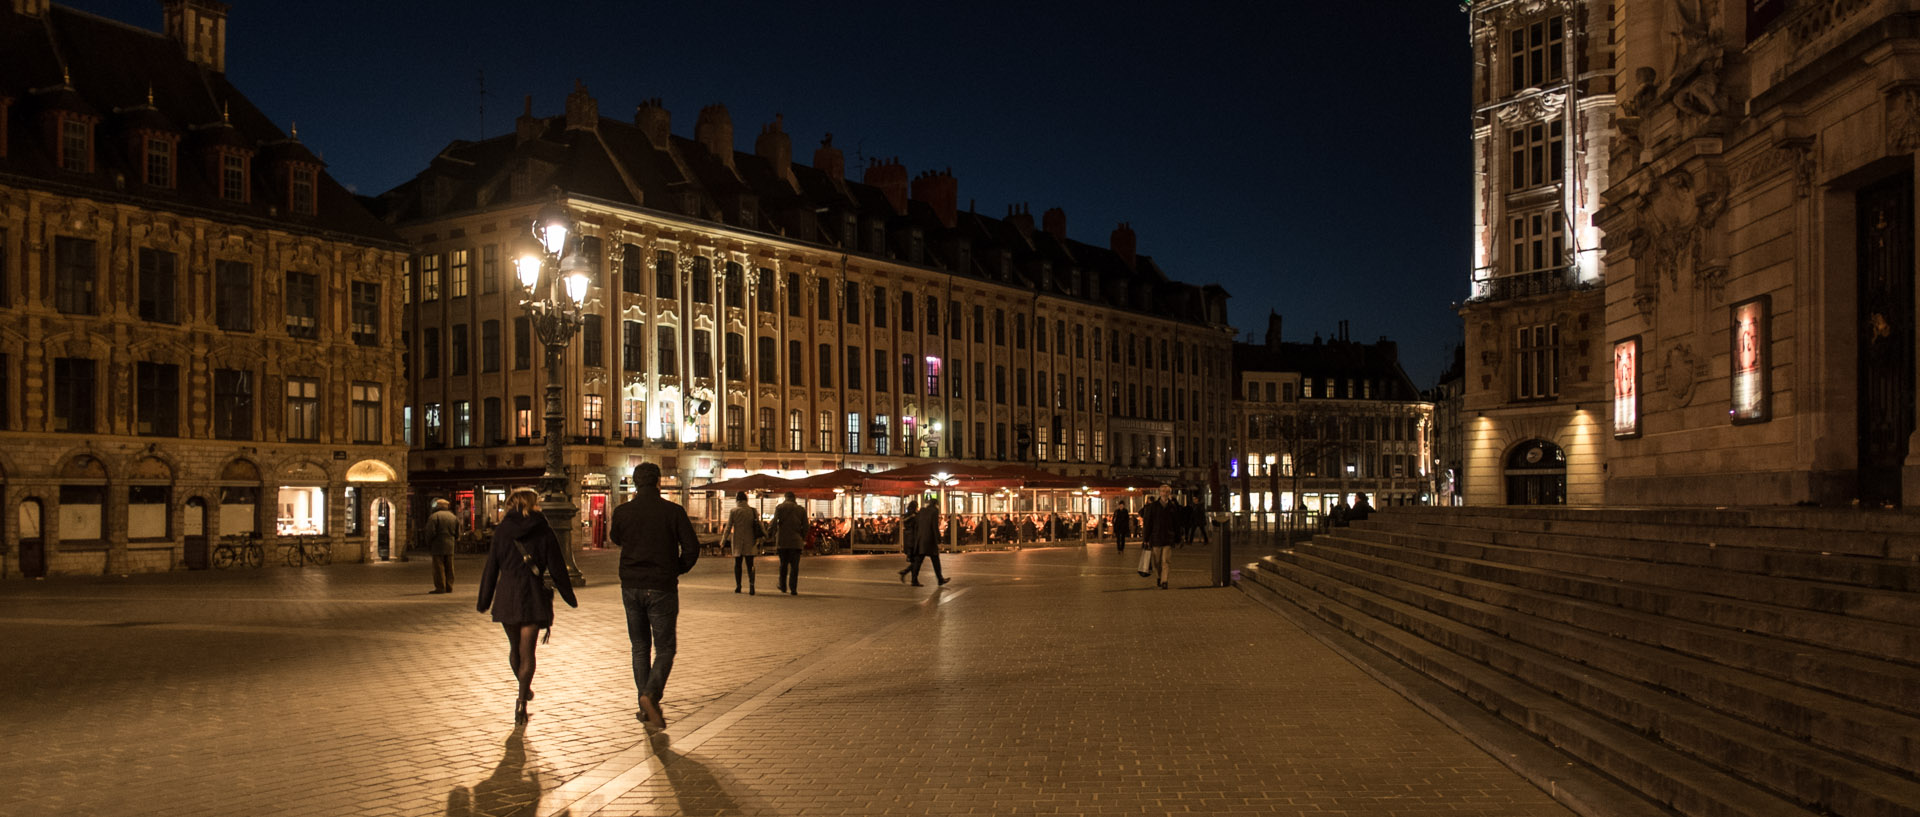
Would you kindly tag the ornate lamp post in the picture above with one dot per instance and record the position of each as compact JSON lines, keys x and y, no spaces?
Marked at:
{"x":553,"y":287}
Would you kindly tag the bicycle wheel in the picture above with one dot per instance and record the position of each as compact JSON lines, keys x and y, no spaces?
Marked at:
{"x":323,"y":555}
{"x":253,"y":556}
{"x":223,"y":557}
{"x":294,"y":556}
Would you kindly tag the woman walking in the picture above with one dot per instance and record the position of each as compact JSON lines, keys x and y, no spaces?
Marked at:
{"x":743,"y":530}
{"x":908,"y":541}
{"x":524,"y":549}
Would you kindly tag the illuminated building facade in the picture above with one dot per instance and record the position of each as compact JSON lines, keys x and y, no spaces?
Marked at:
{"x":1536,"y":378}
{"x":198,"y":334}
{"x":752,"y":313}
{"x":1760,"y":253}
{"x":1317,"y":421}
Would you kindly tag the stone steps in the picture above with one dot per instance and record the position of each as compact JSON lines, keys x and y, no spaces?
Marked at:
{"x":1710,"y":679}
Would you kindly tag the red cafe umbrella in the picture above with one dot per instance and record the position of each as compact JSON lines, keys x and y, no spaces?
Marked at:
{"x":912,"y":478}
{"x":820,"y":486}
{"x":750,"y":482}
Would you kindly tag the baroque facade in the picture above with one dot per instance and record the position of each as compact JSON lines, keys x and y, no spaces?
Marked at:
{"x":753,"y":313}
{"x":1536,"y":379}
{"x":1318,"y":422}
{"x":1760,"y":301}
{"x":199,"y":334}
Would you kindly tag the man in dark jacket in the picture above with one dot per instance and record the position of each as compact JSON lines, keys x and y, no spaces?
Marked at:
{"x":789,"y":534}
{"x":1160,"y":523}
{"x":1122,"y":524}
{"x":443,"y":529}
{"x":657,"y":544}
{"x":926,"y":534}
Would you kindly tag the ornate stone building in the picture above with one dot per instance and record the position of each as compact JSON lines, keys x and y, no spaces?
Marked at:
{"x":1536,"y":378}
{"x":197,"y":329}
{"x":1759,"y":249}
{"x":753,"y":313}
{"x":1315,"y":422}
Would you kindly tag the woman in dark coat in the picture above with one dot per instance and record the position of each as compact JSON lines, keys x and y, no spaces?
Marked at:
{"x":511,"y":587}
{"x":909,"y":541}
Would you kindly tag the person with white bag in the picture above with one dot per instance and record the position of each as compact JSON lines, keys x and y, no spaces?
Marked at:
{"x":1160,"y":526}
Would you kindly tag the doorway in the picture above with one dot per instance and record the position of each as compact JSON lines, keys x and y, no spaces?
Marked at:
{"x":383,"y":529}
{"x":194,"y":534}
{"x":1885,"y":306}
{"x":33,"y":542}
{"x":1537,"y":474}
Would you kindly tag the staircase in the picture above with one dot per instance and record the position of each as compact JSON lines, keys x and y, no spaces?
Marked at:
{"x":1708,"y":663}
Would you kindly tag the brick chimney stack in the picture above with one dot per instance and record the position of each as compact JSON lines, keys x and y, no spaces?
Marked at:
{"x":1054,"y":221}
{"x":583,"y":112}
{"x":829,"y":160}
{"x":891,"y":177}
{"x":941,"y":192}
{"x":1122,"y":242}
{"x":1273,"y":330}
{"x":714,"y":131}
{"x":527,"y":128}
{"x":199,"y":26}
{"x":652,"y":119}
{"x":1021,"y":218}
{"x":775,"y":146}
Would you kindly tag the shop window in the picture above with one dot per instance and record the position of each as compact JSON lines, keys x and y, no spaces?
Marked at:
{"x":148,"y":511}
{"x":302,"y":511}
{"x":81,"y":512}
{"x":350,"y":501}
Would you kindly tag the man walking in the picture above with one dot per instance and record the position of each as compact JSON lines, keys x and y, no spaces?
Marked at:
{"x":443,"y":529}
{"x":743,"y":532}
{"x":1160,"y":524}
{"x":657,"y":544}
{"x":926,"y":532}
{"x":790,"y":533}
{"x":1122,"y":524}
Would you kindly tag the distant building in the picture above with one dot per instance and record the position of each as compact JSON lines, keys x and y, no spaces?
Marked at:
{"x":1536,"y":378}
{"x":752,"y":313}
{"x":198,"y":334}
{"x":1315,"y":422}
{"x":1448,"y":397}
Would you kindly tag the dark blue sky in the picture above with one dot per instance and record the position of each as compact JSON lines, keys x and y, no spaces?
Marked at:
{"x":1313,"y":158}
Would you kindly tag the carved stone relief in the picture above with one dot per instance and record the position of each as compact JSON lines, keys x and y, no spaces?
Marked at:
{"x":1678,"y":375}
{"x":1903,"y":119}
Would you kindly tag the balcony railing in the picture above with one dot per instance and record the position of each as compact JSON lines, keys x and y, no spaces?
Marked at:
{"x":1525,"y":284}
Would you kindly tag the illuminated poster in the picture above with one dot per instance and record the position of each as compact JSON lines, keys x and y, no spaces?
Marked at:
{"x":1626,"y":388}
{"x":1750,"y":345}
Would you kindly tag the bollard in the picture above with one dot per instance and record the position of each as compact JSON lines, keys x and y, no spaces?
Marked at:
{"x":1222,"y":557}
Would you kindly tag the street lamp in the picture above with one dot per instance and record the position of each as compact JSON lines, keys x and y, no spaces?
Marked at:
{"x":553,"y":281}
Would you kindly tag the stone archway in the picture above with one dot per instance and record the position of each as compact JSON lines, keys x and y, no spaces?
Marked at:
{"x":1536,"y":474}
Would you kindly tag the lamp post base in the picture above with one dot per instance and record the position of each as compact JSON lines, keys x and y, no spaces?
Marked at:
{"x":560,"y":514}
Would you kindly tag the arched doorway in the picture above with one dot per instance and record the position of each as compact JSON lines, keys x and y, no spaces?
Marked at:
{"x":383,"y":529}
{"x":33,"y":542}
{"x":1536,"y":474}
{"x":194,"y":534}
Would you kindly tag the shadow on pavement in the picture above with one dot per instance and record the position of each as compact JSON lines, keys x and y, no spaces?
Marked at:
{"x":695,"y":788}
{"x":509,"y":790}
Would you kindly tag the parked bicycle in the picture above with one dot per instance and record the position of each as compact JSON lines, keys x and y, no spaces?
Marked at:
{"x":240,"y":548}
{"x":305,"y":550}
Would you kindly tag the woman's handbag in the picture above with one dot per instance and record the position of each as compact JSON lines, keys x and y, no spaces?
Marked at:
{"x":539,"y":570}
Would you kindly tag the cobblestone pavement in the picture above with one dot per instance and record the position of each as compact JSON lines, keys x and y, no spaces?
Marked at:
{"x":1051,"y":681}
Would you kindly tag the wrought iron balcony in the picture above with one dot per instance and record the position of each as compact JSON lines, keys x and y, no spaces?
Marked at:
{"x":1525,"y":284}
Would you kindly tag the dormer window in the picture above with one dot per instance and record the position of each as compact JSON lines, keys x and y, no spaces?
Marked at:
{"x":159,"y":160}
{"x":301,"y":191}
{"x":76,"y":145}
{"x":233,"y":176}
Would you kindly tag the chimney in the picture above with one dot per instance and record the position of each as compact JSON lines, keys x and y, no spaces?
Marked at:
{"x":941,"y":192}
{"x":199,"y":26}
{"x":1122,"y":243}
{"x":653,"y":120}
{"x":1054,"y":221}
{"x":714,"y":131}
{"x":583,"y":113}
{"x":829,"y":160}
{"x":1273,"y":330}
{"x":30,"y":8}
{"x":526,"y":128}
{"x":1021,"y":218}
{"x":776,"y":147}
{"x":891,"y":177}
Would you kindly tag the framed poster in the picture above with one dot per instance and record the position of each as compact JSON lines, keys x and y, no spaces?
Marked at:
{"x":1626,"y":388}
{"x":1752,"y":361}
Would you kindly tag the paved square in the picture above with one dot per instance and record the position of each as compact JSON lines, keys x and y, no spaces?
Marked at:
{"x":1051,"y":681}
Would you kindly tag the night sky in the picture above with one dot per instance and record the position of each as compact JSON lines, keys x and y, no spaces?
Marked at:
{"x":1313,"y":158}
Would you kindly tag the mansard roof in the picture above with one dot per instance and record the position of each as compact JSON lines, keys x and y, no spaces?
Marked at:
{"x":1337,"y":359}
{"x":110,"y":70}
{"x":616,"y":162}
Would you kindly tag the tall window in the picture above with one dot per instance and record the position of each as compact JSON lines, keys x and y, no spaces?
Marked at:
{"x":522,"y":417}
{"x":462,"y":424}
{"x":303,"y":409}
{"x":796,"y":363}
{"x":435,"y":425}
{"x":457,"y":274}
{"x":633,"y":346}
{"x":158,"y":284}
{"x":522,"y":343}
{"x":766,"y":430}
{"x":430,"y":277}
{"x":851,"y":302}
{"x":157,"y":401}
{"x":953,"y":320}
{"x":233,"y":177}
{"x":882,"y":435}
{"x":1539,"y":153}
{"x":159,"y":162}
{"x":303,"y":305}
{"x":1539,"y":241}
{"x":826,"y":366}
{"x":853,"y":432}
{"x":631,"y":269}
{"x":702,"y":279}
{"x":853,"y":369}
{"x":796,"y":431}
{"x":794,"y":295}
{"x":763,"y":294}
{"x":365,"y":412}
{"x":1020,"y":387}
{"x":232,"y":404}
{"x":665,"y":277}
{"x":1537,"y":361}
{"x":769,"y":360}
{"x":880,"y":307}
{"x":933,"y":376}
{"x":736,"y":356}
{"x":75,"y":275}
{"x":824,"y":427}
{"x":880,"y":358}
{"x":73,"y":394}
{"x":593,"y":413}
{"x":1039,"y":334}
{"x":76,"y":145}
{"x":736,"y":285}
{"x":490,"y":346}
{"x":1000,"y":385}
{"x":668,"y":360}
{"x":366,"y":313}
{"x":592,"y":341}
{"x":459,"y":344}
{"x":491,"y":432}
{"x":702,"y":353}
{"x":906,"y":312}
{"x":1536,"y":53}
{"x":633,"y":413}
{"x":933,"y":315}
{"x":736,"y":428}
{"x":489,"y":269}
{"x":430,"y":352}
{"x":980,"y":324}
